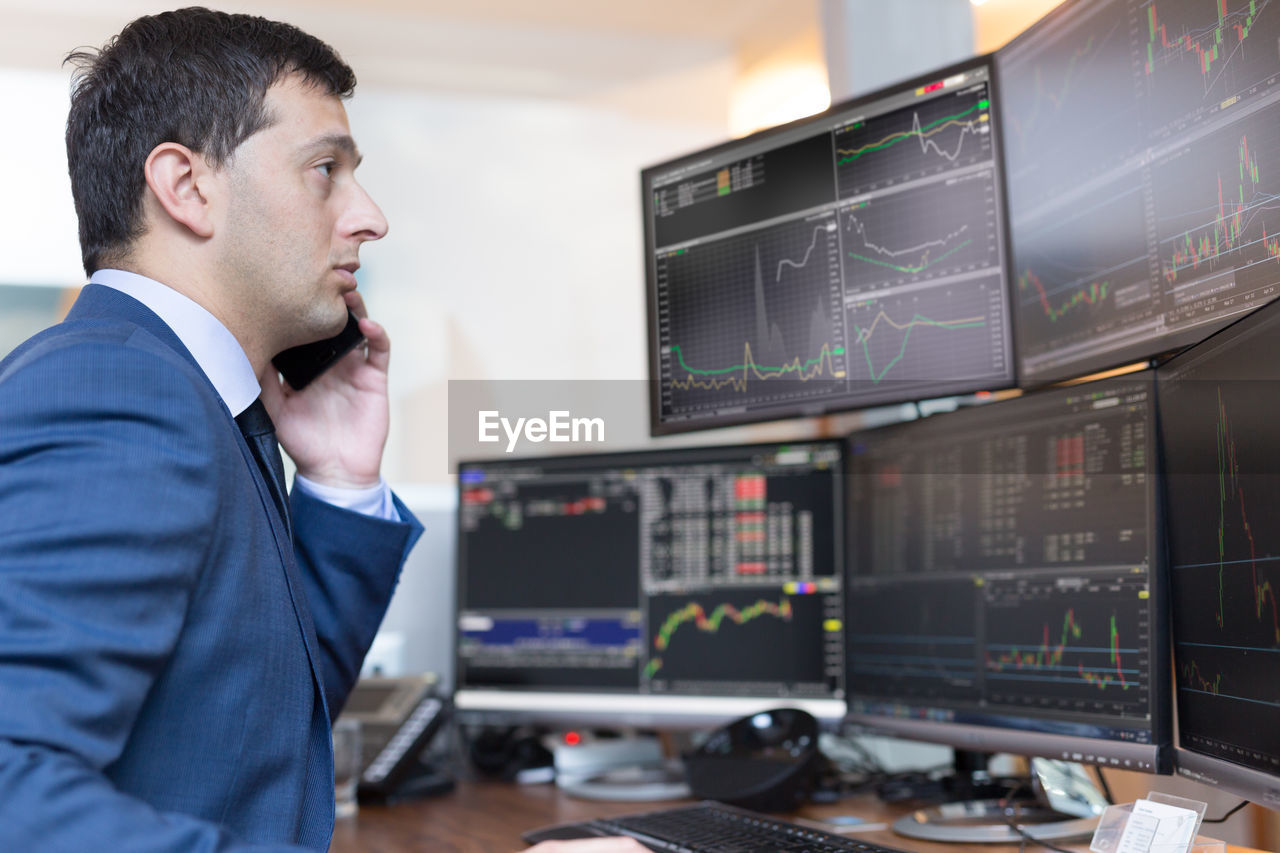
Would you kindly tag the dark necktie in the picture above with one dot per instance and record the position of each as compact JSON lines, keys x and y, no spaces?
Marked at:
{"x":260,"y":433}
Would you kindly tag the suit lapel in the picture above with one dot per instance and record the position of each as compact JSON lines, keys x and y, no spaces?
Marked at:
{"x":99,"y":302}
{"x":284,"y":547}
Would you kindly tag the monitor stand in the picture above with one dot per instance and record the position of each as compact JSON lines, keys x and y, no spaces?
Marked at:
{"x":626,"y":769}
{"x":979,"y":809}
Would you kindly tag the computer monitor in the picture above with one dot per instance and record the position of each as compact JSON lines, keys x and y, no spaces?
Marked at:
{"x":848,"y":259}
{"x":1140,"y":154}
{"x":1004,"y":581}
{"x":1219,"y":407}
{"x":670,"y":588}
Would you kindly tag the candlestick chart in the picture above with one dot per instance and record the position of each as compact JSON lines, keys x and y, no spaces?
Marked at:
{"x":1198,"y":55}
{"x":1083,"y":279}
{"x":1223,"y":507}
{"x":1069,"y":646}
{"x":1218,"y":206}
{"x":1093,"y":294}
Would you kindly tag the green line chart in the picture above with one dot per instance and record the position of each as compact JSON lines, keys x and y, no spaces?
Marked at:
{"x":864,"y":336}
{"x":930,"y":334}
{"x":936,"y":134}
{"x":925,"y":261}
{"x":965,"y":120}
{"x":751,"y":320}
{"x":738,"y":376}
{"x":945,"y":228}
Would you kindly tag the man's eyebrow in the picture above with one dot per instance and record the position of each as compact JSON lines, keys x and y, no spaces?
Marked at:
{"x":341,"y":141}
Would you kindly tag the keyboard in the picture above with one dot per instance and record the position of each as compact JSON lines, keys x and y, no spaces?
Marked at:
{"x":709,"y":828}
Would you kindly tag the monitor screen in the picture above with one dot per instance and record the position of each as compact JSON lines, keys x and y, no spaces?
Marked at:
{"x":671,"y":587}
{"x":1219,"y":406}
{"x":848,"y":259}
{"x":1141,"y":150}
{"x":1003,"y":584}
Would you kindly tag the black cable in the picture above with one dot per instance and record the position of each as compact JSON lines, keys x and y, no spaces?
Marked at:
{"x":1025,"y":838}
{"x":850,"y":785}
{"x":870,"y":763}
{"x":1106,"y":789}
{"x":1022,"y":834}
{"x":1238,"y":806}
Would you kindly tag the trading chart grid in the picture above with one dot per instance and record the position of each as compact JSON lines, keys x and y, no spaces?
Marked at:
{"x":853,"y":261}
{"x":1142,"y":192}
{"x":694,"y":572}
{"x":1001,"y":563}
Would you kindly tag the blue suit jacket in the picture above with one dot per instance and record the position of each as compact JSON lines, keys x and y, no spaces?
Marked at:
{"x":169,"y":660}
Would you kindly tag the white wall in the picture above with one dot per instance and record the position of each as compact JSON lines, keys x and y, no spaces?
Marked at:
{"x":419,"y":626}
{"x":515,"y":246}
{"x":37,"y":221}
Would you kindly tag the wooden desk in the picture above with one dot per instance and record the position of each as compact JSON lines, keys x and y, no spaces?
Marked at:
{"x":488,"y":817}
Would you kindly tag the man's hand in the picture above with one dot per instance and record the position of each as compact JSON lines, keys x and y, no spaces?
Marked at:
{"x":336,"y":428}
{"x":590,"y":845}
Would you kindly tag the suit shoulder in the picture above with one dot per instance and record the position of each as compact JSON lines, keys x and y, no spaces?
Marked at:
{"x":68,"y":338}
{"x":109,"y":371}
{"x":86,"y":349}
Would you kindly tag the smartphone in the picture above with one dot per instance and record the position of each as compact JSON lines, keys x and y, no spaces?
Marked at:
{"x":300,"y":365}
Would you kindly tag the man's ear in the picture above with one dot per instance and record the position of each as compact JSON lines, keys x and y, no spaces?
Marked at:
{"x":180,"y":180}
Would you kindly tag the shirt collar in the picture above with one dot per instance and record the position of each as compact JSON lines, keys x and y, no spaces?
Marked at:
{"x":214,"y":348}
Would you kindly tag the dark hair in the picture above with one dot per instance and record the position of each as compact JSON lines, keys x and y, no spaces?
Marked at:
{"x":192,"y":76}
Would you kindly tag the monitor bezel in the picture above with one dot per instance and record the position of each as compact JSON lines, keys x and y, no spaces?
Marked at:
{"x":659,"y":428}
{"x":635,"y":710}
{"x":570,"y":707}
{"x":1253,"y":785}
{"x":1154,"y":757}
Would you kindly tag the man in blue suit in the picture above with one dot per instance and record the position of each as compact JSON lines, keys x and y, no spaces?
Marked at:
{"x":176,"y":632}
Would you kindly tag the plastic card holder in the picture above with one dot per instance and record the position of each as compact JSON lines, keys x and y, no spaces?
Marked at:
{"x":1161,"y":823}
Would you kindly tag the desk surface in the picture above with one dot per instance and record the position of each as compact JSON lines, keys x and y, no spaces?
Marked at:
{"x":489,"y":817}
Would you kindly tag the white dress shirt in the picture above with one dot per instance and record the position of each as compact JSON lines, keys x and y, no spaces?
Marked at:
{"x":222,"y":359}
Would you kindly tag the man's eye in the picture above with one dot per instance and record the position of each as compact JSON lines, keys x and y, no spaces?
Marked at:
{"x":326,"y":169}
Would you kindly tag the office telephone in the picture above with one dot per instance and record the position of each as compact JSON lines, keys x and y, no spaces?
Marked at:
{"x":398,"y":718}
